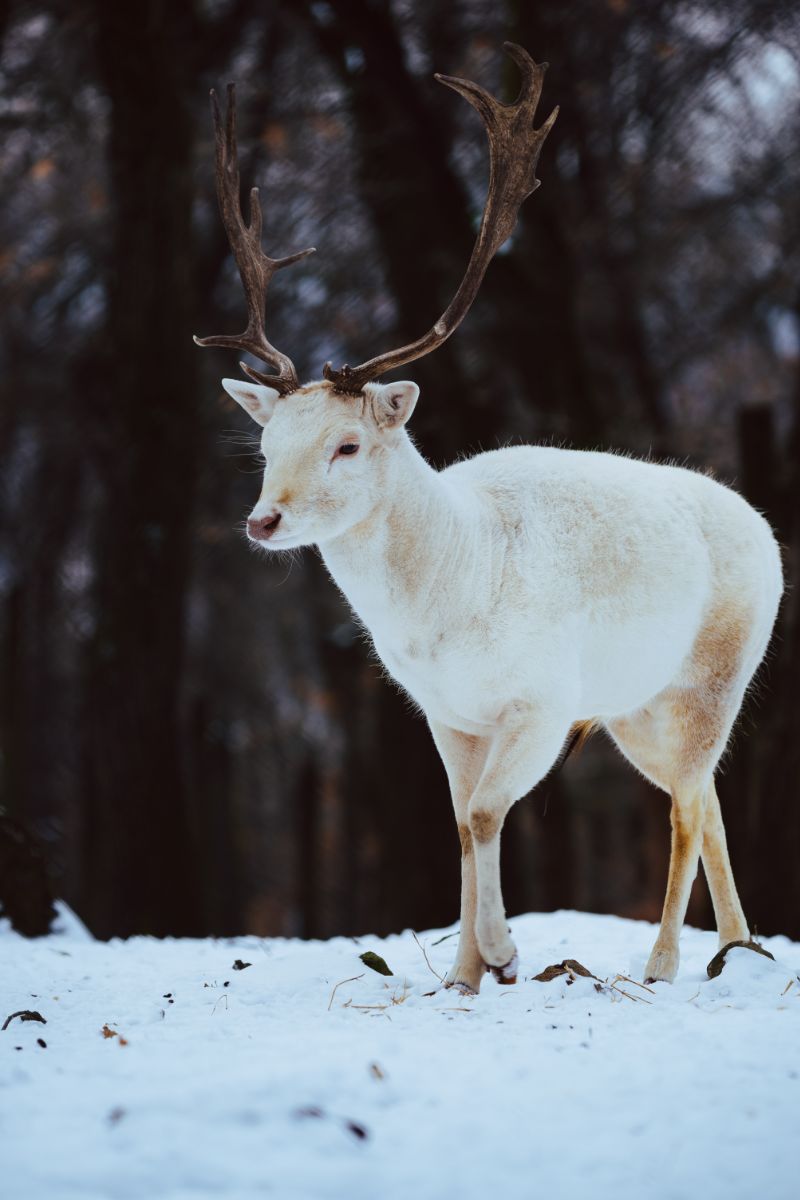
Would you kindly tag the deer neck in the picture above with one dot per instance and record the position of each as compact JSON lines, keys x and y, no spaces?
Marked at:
{"x":392,"y":564}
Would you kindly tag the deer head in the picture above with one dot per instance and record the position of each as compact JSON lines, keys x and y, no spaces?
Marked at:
{"x":326,"y":444}
{"x":327,"y":457}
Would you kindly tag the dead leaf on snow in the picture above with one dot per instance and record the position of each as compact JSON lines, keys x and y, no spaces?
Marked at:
{"x":375,"y":962}
{"x":107,"y":1032}
{"x":24,"y":1014}
{"x":714,"y":968}
{"x":570,"y":966}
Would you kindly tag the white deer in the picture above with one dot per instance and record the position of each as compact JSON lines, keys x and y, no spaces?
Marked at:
{"x":524,"y":595}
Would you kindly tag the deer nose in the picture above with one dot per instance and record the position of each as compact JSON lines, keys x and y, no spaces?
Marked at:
{"x":262,"y":528}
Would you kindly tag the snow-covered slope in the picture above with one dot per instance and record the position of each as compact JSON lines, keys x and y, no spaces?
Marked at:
{"x":273,"y":1081}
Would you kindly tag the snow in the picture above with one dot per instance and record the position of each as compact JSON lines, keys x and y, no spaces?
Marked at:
{"x":274,"y":1081}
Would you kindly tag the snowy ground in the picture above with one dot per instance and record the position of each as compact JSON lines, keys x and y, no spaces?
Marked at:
{"x":273,"y":1081}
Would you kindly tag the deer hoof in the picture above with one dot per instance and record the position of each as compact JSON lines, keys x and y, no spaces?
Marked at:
{"x":463,"y":989}
{"x":662,"y":966}
{"x":508,"y":973}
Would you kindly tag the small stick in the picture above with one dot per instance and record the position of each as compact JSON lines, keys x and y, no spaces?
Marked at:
{"x":352,"y":979}
{"x":427,"y":960}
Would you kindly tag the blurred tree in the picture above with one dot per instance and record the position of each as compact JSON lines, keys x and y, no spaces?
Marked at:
{"x":140,"y":868}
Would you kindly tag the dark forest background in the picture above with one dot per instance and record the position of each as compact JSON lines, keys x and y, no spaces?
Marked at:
{"x":196,"y":736}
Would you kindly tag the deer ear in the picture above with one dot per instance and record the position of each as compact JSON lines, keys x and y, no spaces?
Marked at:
{"x":257,"y":400}
{"x":392,"y":403}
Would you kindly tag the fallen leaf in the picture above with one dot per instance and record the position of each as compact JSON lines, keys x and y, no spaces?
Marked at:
{"x":714,"y":968}
{"x":24,"y":1014}
{"x":375,"y":963}
{"x":570,"y":966}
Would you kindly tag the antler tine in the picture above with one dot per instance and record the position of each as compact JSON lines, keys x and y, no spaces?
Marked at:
{"x":514,"y":149}
{"x":532,"y":74}
{"x":255,"y":267}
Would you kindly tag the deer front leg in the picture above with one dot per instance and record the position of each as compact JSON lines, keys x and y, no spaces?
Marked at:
{"x":464,"y":757}
{"x":522,"y":752}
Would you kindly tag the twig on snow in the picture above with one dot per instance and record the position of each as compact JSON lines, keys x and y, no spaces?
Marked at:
{"x":352,"y":979}
{"x":425,"y":956}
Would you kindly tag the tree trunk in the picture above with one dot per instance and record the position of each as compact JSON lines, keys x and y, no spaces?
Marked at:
{"x":138,"y":844}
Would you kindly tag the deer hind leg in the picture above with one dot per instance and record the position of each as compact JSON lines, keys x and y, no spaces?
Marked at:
{"x":696,"y":829}
{"x":677,"y":741}
{"x":731,"y":922}
{"x":464,"y":758}
{"x":687,"y":817}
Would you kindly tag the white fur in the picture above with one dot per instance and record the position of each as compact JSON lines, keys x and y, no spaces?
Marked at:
{"x":521,"y":591}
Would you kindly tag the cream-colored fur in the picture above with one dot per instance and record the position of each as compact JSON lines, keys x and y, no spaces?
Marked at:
{"x":524,"y":590}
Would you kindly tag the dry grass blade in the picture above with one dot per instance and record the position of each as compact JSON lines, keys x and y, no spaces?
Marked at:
{"x":352,"y":979}
{"x":636,"y":999}
{"x":636,"y":983}
{"x":622,"y":992}
{"x":401,"y":999}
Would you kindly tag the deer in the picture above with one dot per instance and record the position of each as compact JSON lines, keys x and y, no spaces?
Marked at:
{"x":525,"y":596}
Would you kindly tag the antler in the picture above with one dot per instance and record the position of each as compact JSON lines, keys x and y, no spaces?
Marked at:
{"x":514,"y":148}
{"x":255,"y":267}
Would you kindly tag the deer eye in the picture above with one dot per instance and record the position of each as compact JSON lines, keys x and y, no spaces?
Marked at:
{"x":348,"y":448}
